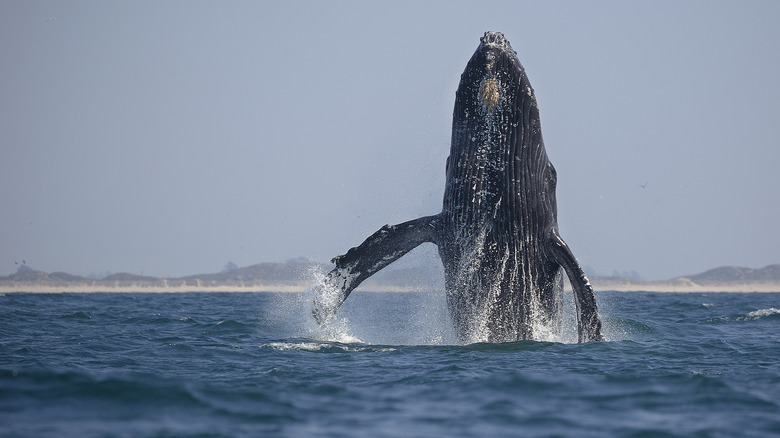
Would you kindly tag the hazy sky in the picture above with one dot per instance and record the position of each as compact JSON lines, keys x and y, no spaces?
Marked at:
{"x":168,"y":138}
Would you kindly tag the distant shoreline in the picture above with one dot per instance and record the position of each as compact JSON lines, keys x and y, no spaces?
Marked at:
{"x":653,"y":287}
{"x":299,"y":277}
{"x":670,"y":287}
{"x":46,"y":289}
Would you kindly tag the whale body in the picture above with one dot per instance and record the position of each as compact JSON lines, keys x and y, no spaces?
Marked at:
{"x":497,"y":234}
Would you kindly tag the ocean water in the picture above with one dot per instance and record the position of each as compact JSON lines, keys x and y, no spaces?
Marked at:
{"x":255,"y":365}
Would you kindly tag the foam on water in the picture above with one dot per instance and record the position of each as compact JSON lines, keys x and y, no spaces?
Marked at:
{"x":325,"y":347}
{"x":763,"y":312}
{"x":336,"y":329}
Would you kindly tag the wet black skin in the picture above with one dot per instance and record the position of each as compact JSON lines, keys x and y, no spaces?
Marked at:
{"x":497,"y":233}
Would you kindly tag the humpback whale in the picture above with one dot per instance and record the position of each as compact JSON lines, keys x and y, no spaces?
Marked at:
{"x":497,"y":234}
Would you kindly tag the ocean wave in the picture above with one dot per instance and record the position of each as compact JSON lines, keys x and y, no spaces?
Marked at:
{"x":248,"y":365}
{"x":763,"y":312}
{"x":760,"y":314}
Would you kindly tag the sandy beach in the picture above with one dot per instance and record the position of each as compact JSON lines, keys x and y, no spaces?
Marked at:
{"x":676,"y":286}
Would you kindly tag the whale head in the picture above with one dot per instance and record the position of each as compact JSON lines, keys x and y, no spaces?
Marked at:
{"x":497,"y":152}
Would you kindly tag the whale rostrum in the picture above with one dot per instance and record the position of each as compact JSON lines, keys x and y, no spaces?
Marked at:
{"x":497,"y":234}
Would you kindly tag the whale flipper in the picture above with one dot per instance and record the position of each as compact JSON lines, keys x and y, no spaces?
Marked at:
{"x":380,"y":249}
{"x":588,"y":322}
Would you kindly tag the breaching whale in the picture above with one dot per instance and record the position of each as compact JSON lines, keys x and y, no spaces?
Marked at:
{"x":497,"y":234}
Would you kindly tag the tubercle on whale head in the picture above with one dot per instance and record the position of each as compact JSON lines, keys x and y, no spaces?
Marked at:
{"x":495,"y":49}
{"x":496,"y":40}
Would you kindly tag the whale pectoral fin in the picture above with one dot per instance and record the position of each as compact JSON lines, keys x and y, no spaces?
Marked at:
{"x":588,"y":322}
{"x":377,"y":251}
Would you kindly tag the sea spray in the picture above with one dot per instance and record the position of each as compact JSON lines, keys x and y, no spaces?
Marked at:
{"x":493,"y":301}
{"x":423,"y":319}
{"x":324,"y":299}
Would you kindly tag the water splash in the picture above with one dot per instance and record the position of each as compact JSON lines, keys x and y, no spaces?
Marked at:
{"x":326,"y":296}
{"x":481,"y":314}
{"x":423,"y":318}
{"x":324,"y":299}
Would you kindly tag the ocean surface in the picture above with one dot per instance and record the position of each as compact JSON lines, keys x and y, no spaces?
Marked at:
{"x":255,"y":365}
